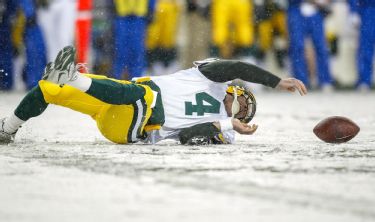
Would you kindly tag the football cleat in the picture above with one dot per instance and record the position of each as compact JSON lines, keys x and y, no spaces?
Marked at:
{"x":5,"y":137}
{"x":63,"y":69}
{"x":48,"y":70}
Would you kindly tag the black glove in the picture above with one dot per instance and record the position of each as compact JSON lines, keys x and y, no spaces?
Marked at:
{"x":201,"y":134}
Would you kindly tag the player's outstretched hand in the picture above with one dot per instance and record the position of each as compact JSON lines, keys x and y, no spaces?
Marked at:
{"x":291,"y":85}
{"x":243,"y":128}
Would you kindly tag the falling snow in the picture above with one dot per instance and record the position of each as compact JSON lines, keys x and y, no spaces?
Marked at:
{"x":61,"y":169}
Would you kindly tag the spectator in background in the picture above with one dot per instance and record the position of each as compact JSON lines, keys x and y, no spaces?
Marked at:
{"x":102,"y":49}
{"x":7,"y":8}
{"x":196,"y":33}
{"x":161,"y":38}
{"x":232,"y":25}
{"x":34,"y":43}
{"x":57,"y":19}
{"x":271,"y":29}
{"x":366,"y":11}
{"x":305,"y":18}
{"x":132,"y":17}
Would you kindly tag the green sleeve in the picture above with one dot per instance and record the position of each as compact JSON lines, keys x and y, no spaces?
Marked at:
{"x":227,"y":70}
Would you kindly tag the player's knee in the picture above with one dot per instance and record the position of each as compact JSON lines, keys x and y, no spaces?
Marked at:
{"x":49,"y":90}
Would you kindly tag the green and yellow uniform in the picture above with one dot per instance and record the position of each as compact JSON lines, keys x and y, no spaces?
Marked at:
{"x":232,"y":23}
{"x":124,"y":111}
{"x":121,"y":109}
{"x":162,"y":31}
{"x":161,"y":36}
{"x":271,"y":21}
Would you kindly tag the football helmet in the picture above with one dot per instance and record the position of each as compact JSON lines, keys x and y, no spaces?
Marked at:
{"x":238,"y":91}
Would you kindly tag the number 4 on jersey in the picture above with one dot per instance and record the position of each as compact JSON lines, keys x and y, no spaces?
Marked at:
{"x":200,"y":108}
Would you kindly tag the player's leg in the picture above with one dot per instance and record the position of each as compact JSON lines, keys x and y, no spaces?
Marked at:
{"x":136,"y":61}
{"x":47,"y":25}
{"x":244,"y":27}
{"x":6,"y":67}
{"x":280,"y":40}
{"x":170,"y":21}
{"x":120,"y":44}
{"x":296,"y":44}
{"x":35,"y":55}
{"x":108,"y":116}
{"x":321,"y":50}
{"x":74,"y":96}
{"x":64,"y":72}
{"x":265,"y":33}
{"x":32,"y":105}
{"x":170,"y":35}
{"x":366,"y":48}
{"x":220,"y":27}
{"x":120,"y":108}
{"x":66,"y":23}
{"x":36,"y":101}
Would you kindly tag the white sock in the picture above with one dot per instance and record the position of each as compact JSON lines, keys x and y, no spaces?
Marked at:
{"x":12,"y":124}
{"x":82,"y":82}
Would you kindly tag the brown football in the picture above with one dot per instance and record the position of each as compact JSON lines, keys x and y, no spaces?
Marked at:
{"x":336,"y":129}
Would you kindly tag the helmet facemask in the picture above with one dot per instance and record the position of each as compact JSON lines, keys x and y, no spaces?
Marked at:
{"x":249,"y":105}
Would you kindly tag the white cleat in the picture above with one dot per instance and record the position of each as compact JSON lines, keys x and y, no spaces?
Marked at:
{"x":5,"y":137}
{"x":63,"y":69}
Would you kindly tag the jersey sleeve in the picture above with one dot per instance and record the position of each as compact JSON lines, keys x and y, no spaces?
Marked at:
{"x":228,"y":70}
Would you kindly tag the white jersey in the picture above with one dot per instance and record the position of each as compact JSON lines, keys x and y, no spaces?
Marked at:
{"x":189,"y":98}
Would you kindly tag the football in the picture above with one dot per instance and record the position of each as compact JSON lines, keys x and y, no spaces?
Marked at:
{"x":336,"y":129}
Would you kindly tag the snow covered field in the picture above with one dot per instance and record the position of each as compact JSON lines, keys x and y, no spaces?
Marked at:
{"x":61,"y":169}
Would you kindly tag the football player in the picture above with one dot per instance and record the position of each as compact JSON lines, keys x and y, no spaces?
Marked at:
{"x":232,"y":23}
{"x":306,"y":18}
{"x":7,"y":9}
{"x":129,"y":30}
{"x":161,"y":39}
{"x":195,"y":105}
{"x":271,"y":29}
{"x":363,"y":15}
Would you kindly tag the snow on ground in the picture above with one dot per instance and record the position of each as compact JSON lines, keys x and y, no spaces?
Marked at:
{"x":61,"y":169}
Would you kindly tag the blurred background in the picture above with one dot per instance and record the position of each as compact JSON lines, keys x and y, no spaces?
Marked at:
{"x":328,"y":44}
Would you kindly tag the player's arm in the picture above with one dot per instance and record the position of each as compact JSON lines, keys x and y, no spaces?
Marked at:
{"x":214,"y":132}
{"x":228,"y":70}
